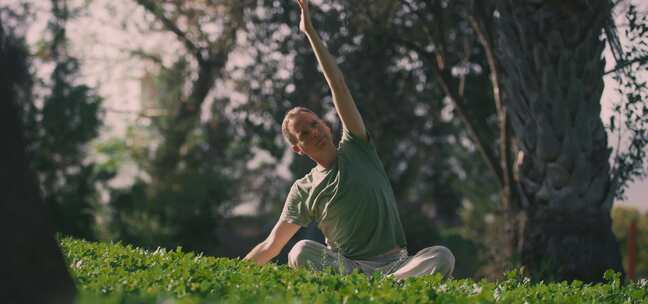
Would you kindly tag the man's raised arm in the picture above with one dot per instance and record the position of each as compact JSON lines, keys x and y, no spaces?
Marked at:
{"x":272,"y":245}
{"x":342,"y":99}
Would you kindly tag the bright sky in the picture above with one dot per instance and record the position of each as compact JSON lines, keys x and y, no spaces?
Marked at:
{"x":101,"y":37}
{"x":637,"y":192}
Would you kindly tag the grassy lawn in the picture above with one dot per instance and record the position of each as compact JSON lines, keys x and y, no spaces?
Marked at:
{"x":113,"y":273}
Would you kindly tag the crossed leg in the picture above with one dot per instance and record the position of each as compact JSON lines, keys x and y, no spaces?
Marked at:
{"x":436,"y":259}
{"x":317,"y":257}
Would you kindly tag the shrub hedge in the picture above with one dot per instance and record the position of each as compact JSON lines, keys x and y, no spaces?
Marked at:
{"x":114,"y":273}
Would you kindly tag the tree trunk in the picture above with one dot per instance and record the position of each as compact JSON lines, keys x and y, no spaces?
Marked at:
{"x":551,"y":55}
{"x":33,"y":269}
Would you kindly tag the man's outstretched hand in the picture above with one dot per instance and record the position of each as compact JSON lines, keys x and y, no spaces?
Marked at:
{"x":305,"y":25}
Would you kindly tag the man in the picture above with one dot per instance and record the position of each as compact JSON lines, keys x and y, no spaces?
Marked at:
{"x":347,"y":193}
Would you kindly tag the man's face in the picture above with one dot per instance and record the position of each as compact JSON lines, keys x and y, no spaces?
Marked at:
{"x":313,"y":135}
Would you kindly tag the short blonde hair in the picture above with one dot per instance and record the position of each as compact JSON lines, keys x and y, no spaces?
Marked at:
{"x":290,"y":138}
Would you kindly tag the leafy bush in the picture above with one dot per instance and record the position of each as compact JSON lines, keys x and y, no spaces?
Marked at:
{"x":114,"y":273}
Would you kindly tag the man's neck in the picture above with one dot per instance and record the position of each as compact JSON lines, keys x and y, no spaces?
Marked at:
{"x":325,"y":161}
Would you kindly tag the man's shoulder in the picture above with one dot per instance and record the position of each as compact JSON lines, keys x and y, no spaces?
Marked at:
{"x":354,"y":147}
{"x":348,"y":136}
{"x":304,"y":181}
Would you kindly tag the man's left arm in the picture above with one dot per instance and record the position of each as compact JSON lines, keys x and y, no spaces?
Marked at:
{"x":272,"y":245}
{"x":342,"y":99}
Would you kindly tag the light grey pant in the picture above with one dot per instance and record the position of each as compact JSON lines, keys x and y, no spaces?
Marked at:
{"x":316,"y":256}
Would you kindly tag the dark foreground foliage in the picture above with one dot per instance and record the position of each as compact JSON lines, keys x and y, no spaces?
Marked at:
{"x":114,"y":273}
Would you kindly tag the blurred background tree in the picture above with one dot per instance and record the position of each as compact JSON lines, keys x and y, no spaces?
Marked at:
{"x":187,"y":165}
{"x":59,"y":123}
{"x":621,"y":219}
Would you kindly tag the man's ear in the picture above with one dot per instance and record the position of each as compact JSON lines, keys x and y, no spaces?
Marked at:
{"x":297,"y":149}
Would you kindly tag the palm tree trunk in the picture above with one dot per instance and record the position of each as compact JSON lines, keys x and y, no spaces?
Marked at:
{"x":551,"y":55}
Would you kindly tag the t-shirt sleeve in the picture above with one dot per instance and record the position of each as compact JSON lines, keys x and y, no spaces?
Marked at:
{"x":350,"y":140}
{"x":295,"y":210}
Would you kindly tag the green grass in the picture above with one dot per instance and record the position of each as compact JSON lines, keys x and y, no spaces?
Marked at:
{"x":114,"y":273}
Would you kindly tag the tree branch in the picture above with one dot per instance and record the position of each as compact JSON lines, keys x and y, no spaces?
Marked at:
{"x":502,"y":118}
{"x":146,"y":56}
{"x":154,"y":9}
{"x":464,"y":62}
{"x":641,"y":60}
{"x":148,"y":113}
{"x":459,"y":106}
{"x":441,"y":55}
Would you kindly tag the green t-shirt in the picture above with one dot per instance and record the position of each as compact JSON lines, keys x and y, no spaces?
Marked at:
{"x":353,"y":202}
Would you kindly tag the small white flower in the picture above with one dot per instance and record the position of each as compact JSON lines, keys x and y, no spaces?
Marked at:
{"x":476,"y":289}
{"x":443,"y":288}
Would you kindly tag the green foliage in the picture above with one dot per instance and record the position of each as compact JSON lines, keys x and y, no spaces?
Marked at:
{"x":59,"y":132}
{"x":172,"y":202}
{"x":185,"y":213}
{"x":621,"y":219}
{"x":111,"y":155}
{"x":59,"y":125}
{"x":185,"y":162}
{"x":113,"y":273}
